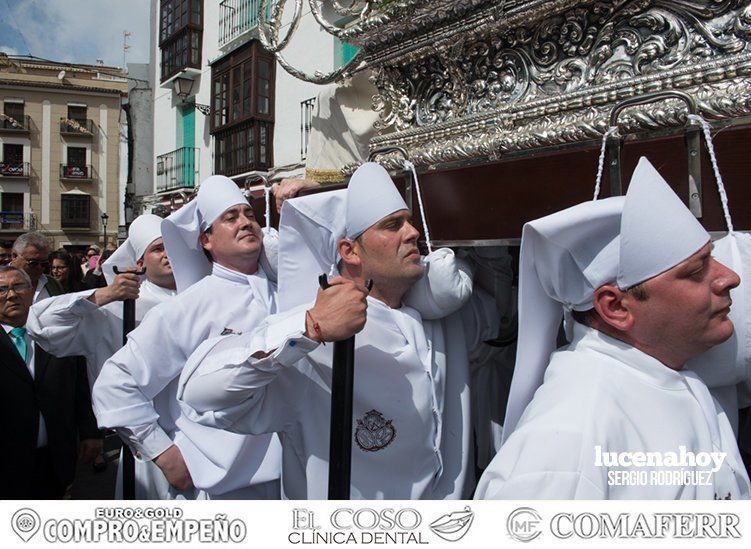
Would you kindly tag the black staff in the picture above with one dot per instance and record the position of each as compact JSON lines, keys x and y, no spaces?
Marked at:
{"x":129,"y":464}
{"x":340,"y":441}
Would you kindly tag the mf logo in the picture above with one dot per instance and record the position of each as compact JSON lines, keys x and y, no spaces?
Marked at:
{"x":523,"y":524}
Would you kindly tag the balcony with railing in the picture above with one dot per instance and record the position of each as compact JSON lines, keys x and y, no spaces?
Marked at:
{"x":75,"y":172}
{"x":14,"y":169}
{"x":238,"y":20}
{"x":15,"y":125}
{"x":177,"y":169}
{"x":81,"y":128}
{"x":17,"y":221}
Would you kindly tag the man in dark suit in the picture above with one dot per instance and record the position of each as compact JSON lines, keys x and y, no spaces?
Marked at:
{"x":45,"y":404}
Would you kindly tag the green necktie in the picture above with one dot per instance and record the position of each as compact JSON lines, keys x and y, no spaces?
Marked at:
{"x":19,"y":340}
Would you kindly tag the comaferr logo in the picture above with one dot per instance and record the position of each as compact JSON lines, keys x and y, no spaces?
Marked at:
{"x":657,"y":525}
{"x":524,"y":524}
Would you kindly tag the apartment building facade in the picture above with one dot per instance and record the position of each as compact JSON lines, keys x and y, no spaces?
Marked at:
{"x":222,"y":104}
{"x":60,"y":150}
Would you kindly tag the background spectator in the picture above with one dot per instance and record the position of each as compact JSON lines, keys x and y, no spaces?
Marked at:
{"x":30,"y":253}
{"x":91,"y":251}
{"x":94,"y":277}
{"x":64,"y":269}
{"x":6,"y":249}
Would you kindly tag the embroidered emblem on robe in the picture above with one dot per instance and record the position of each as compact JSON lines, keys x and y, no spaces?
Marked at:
{"x":374,"y":432}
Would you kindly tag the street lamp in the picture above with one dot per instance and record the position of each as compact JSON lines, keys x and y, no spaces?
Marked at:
{"x":183,"y":87}
{"x":105,"y":217}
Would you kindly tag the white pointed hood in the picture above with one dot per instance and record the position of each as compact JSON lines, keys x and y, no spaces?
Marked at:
{"x":566,"y":256}
{"x":144,"y":230}
{"x":371,"y":196}
{"x":181,"y":230}
{"x":658,"y":231}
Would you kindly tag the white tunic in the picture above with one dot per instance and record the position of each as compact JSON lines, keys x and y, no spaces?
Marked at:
{"x":70,"y":324}
{"x":411,"y":418}
{"x":135,"y":392}
{"x":603,"y":396}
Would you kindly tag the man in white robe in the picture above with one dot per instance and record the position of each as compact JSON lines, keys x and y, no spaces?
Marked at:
{"x":412,"y":434}
{"x":90,"y":323}
{"x":135,"y":392}
{"x":617,"y":415}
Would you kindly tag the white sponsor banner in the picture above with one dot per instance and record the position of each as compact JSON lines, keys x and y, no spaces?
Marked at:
{"x":271,"y":524}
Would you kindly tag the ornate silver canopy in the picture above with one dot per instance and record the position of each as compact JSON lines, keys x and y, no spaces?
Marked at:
{"x":472,"y":80}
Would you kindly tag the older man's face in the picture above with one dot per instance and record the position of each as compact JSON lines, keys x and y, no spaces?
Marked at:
{"x":16,"y":296}
{"x":32,"y":260}
{"x":687,"y":306}
{"x":388,"y":249}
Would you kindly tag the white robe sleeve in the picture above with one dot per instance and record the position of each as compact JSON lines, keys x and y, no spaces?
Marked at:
{"x":124,"y":390}
{"x":67,"y":325}
{"x":225,"y":385}
{"x":138,"y":372}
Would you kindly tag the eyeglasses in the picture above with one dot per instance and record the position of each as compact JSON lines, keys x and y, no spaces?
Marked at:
{"x":17,"y":288}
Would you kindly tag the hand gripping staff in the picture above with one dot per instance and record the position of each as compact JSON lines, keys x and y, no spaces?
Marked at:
{"x":129,"y":465}
{"x":340,"y":441}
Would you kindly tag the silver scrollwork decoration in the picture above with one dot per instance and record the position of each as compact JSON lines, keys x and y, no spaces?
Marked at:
{"x":589,"y":45}
{"x":270,"y":28}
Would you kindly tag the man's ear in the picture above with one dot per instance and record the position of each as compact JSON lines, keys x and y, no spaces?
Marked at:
{"x":203,"y":238}
{"x":139,"y":264}
{"x":349,"y":251}
{"x":611,"y":304}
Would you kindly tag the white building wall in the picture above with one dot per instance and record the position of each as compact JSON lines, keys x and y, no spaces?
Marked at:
{"x":311,"y":50}
{"x":210,"y":52}
{"x":165,"y":125}
{"x":165,"y":133}
{"x":140,"y":98}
